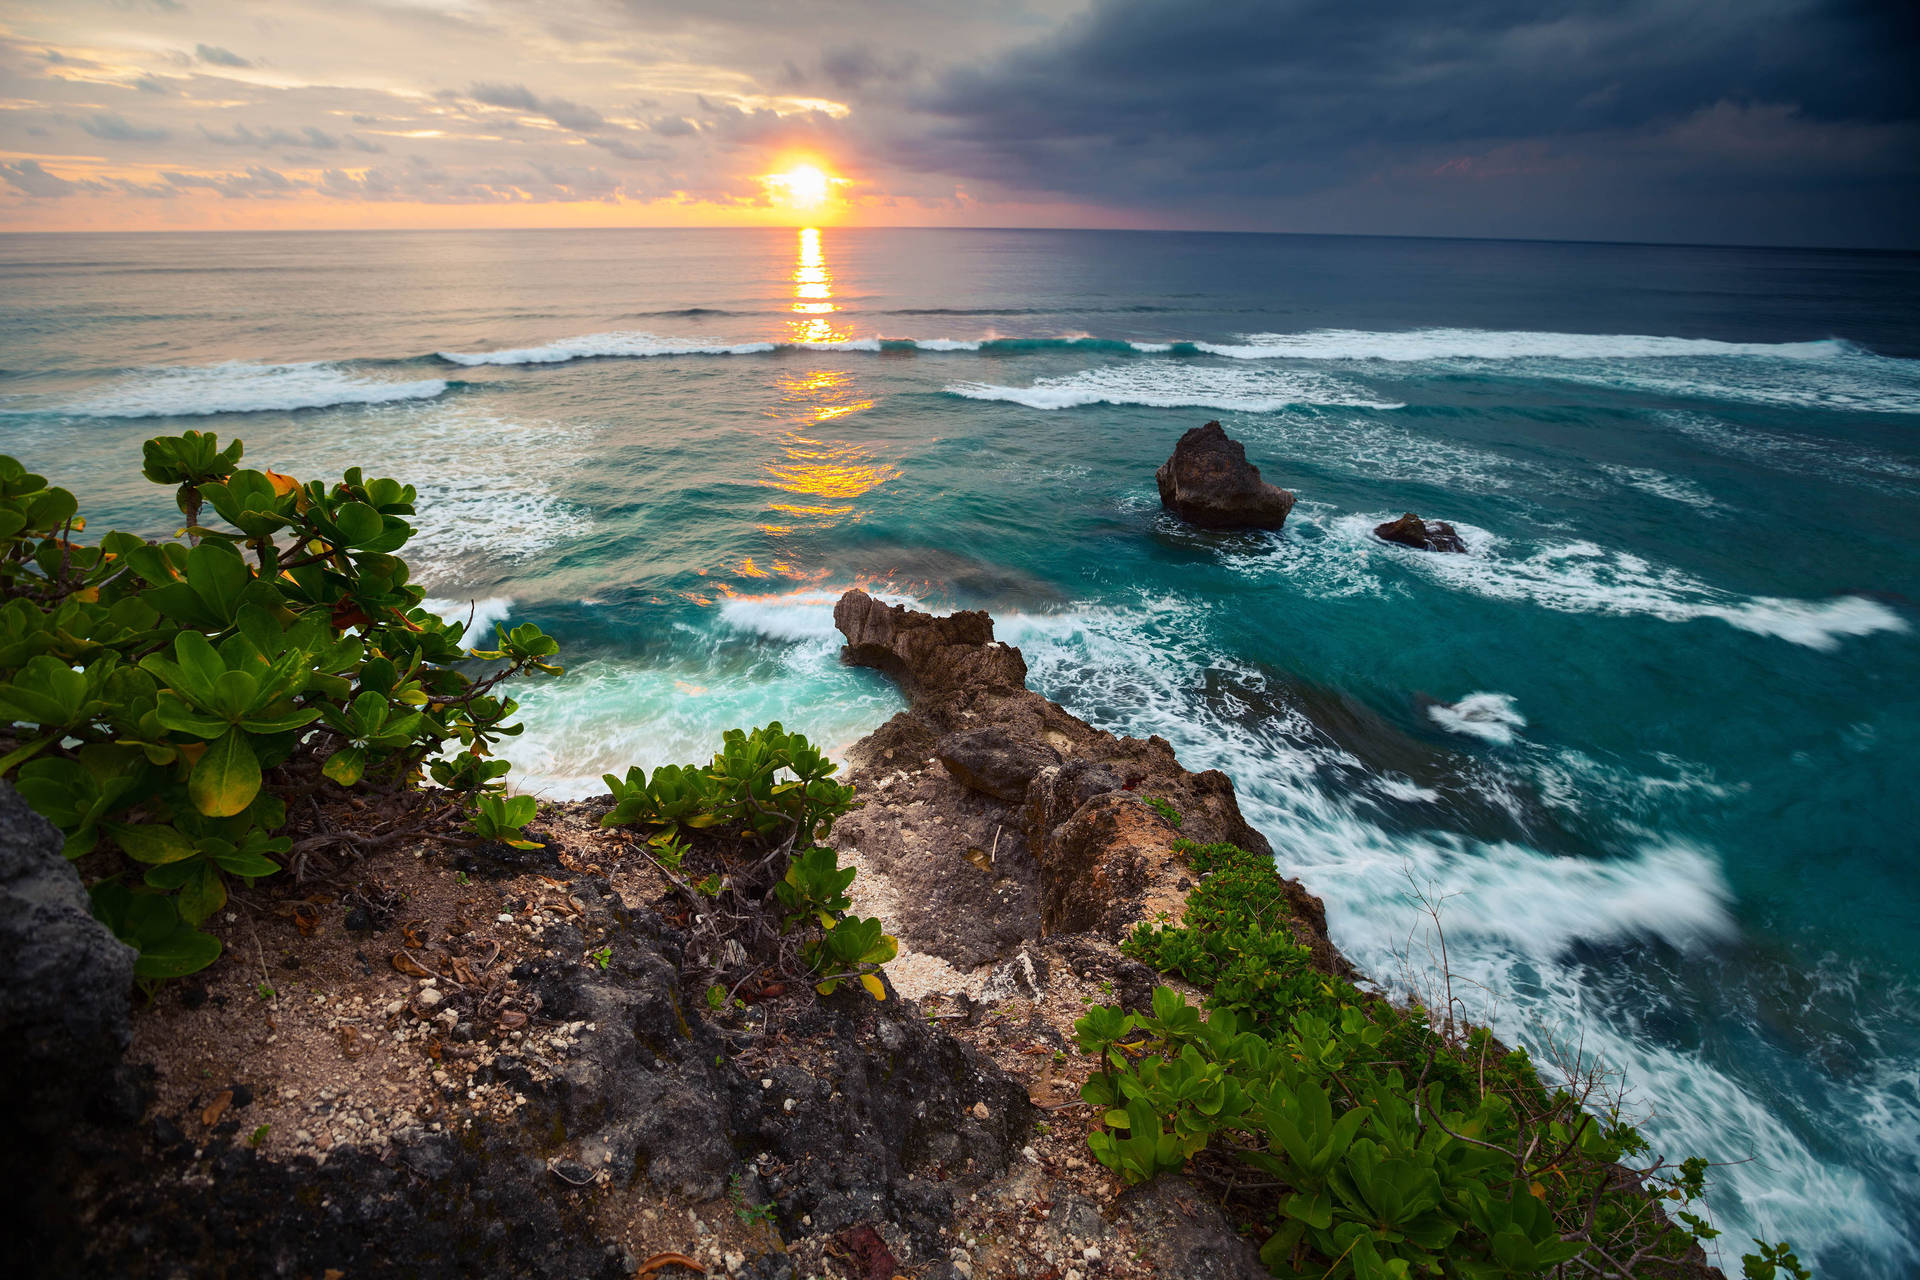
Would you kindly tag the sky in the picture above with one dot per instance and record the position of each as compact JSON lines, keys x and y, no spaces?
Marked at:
{"x":1698,"y":121}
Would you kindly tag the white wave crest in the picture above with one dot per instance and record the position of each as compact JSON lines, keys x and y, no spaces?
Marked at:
{"x":630,"y":345}
{"x":1492,"y":344}
{"x":1583,"y":577}
{"x":1489,"y":716}
{"x":1662,"y":485}
{"x":242,"y":387}
{"x":1163,"y":386}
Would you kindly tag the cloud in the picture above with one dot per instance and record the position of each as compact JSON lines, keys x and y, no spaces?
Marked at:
{"x":856,"y":65}
{"x":214,"y":55}
{"x":626,"y":150}
{"x":257,"y":181}
{"x":1166,"y":105}
{"x":28,"y":177}
{"x":110,"y":127}
{"x":517,"y":97}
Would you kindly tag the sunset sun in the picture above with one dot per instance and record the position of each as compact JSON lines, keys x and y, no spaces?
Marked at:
{"x":804,"y":186}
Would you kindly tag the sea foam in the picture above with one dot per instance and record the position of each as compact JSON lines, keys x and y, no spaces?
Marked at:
{"x":1584,"y":577}
{"x":1489,"y":716}
{"x":1181,"y":386}
{"x":241,"y":387}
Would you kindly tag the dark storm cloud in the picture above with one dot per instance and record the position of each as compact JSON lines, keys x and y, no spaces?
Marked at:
{"x":1161,"y":102}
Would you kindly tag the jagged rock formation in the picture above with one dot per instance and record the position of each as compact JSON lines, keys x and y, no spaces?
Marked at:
{"x":1209,"y":482}
{"x":927,"y":655}
{"x":1063,"y":803}
{"x":1423,"y":535}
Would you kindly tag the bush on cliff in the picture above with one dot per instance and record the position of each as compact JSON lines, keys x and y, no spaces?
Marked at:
{"x":769,"y":796}
{"x":1392,"y":1145}
{"x":167,"y":703}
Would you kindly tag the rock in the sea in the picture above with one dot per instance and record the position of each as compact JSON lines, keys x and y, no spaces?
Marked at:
{"x":66,"y":983}
{"x":994,"y":761}
{"x":927,"y":655}
{"x":1425,"y":535}
{"x":1208,"y":481}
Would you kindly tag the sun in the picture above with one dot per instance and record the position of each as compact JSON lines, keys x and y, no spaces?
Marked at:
{"x":805,"y":186}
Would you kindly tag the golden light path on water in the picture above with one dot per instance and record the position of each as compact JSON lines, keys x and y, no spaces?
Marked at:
{"x":818,"y":477}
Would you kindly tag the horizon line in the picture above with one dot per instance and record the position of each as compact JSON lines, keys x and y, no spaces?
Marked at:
{"x":1149,"y":231}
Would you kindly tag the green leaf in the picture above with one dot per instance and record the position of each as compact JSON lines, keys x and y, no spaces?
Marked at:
{"x":227,"y":777}
{"x":176,"y":954}
{"x":219,"y":577}
{"x":346,"y":765}
{"x":243,"y":862}
{"x":179,"y":717}
{"x":358,"y":523}
{"x":152,"y":842}
{"x":203,"y":894}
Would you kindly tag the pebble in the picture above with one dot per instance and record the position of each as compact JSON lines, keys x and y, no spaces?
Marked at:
{"x":428,"y":998}
{"x":980,"y":1113}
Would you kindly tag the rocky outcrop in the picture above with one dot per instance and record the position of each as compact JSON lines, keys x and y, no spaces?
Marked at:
{"x":927,"y":655}
{"x":65,"y":981}
{"x":1209,"y":482}
{"x":1423,"y":535}
{"x":994,"y":761}
{"x":1056,"y":808}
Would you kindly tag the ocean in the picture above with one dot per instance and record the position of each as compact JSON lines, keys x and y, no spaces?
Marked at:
{"x":1650,"y":747}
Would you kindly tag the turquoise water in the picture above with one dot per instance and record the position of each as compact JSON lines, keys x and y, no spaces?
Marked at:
{"x":1653,"y":741}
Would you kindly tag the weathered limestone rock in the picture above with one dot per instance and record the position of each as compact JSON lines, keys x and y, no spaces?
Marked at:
{"x":1424,"y":535}
{"x":1209,"y":482}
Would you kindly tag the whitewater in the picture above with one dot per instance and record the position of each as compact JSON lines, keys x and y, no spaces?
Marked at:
{"x":1647,"y":746}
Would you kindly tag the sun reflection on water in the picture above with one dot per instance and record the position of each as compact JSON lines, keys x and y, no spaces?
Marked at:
{"x":818,"y":477}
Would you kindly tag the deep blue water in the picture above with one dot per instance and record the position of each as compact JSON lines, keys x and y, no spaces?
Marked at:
{"x":1656,"y":736}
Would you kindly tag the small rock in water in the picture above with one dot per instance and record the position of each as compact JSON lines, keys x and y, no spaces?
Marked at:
{"x":1423,"y":535}
{"x":1209,"y":482}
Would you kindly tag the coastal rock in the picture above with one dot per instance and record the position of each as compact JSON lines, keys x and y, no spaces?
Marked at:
{"x":927,"y":655}
{"x":1209,"y":482}
{"x":66,"y":982}
{"x":1058,"y":803}
{"x":1424,"y":535}
{"x":995,"y":761}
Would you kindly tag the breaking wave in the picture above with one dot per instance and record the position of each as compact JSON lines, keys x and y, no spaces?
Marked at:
{"x":239,"y":387}
{"x":1182,"y":386}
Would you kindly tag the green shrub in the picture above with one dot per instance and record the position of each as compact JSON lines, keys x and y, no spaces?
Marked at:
{"x":770,"y":788}
{"x":1395,"y":1149}
{"x":766,"y":783}
{"x":165,"y":698}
